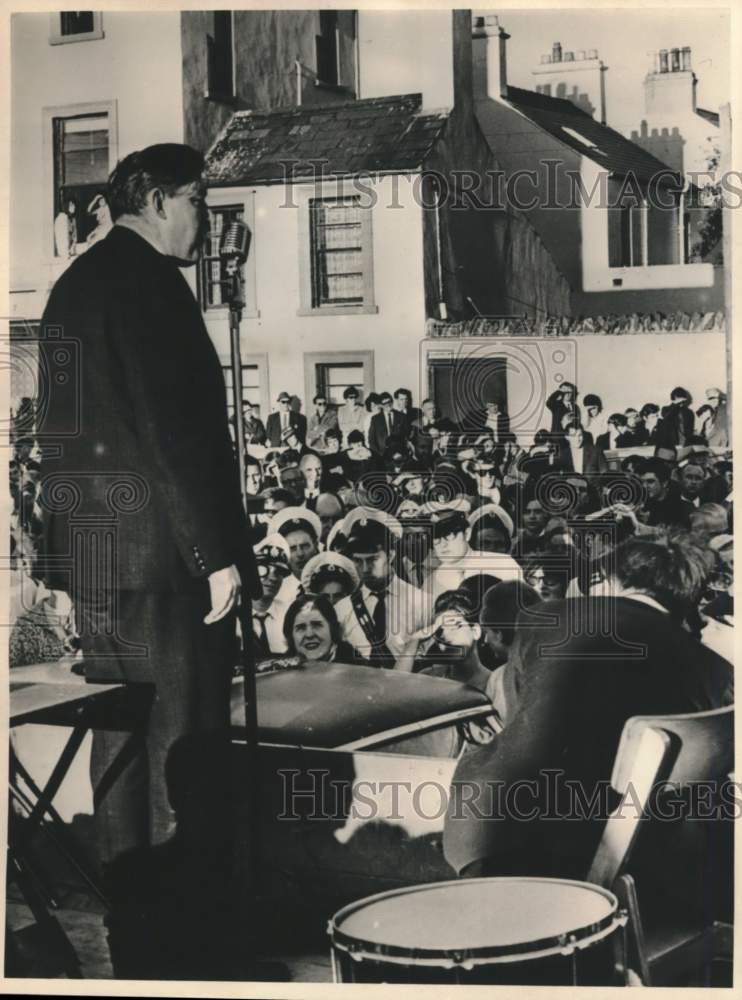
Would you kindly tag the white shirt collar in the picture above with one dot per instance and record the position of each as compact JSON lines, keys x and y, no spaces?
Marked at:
{"x":637,"y":595}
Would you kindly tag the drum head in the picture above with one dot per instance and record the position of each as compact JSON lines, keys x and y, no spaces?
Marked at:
{"x":474,"y":917}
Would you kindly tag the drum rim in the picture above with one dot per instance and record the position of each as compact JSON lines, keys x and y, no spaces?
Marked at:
{"x":576,"y":938}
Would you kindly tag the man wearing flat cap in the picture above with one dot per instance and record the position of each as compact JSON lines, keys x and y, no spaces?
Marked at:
{"x":381,"y":616}
{"x":282,"y":419}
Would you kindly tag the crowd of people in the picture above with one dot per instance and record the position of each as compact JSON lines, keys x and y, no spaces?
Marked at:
{"x":390,"y":516}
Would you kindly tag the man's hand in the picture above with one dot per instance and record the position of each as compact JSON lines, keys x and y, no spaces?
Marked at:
{"x":225,"y":586}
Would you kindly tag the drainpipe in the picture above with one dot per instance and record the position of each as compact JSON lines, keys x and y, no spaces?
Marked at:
{"x":297,"y":64}
{"x":442,"y":310}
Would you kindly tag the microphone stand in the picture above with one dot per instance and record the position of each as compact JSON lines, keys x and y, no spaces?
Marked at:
{"x":236,"y":300}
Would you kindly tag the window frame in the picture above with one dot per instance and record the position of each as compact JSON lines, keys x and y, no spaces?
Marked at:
{"x":57,"y":38}
{"x":338,"y":192}
{"x":48,"y":115}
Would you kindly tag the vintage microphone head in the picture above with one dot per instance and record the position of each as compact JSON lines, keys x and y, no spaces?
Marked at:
{"x":235,"y":242}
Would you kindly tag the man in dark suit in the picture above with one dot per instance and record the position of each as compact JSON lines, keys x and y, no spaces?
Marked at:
{"x":562,"y":403}
{"x":282,"y":419}
{"x":577,"y":454}
{"x":154,"y":545}
{"x":254,"y":427}
{"x":579,"y":674}
{"x":385,"y":424}
{"x":410,"y":413}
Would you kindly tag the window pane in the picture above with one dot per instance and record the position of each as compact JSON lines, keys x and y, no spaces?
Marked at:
{"x":337,"y":252}
{"x":335,"y":379}
{"x":76,"y":22}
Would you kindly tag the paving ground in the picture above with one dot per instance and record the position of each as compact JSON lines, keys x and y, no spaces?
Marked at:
{"x":86,"y":932}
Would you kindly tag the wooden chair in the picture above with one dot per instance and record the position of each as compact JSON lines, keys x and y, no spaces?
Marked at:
{"x":681,"y":750}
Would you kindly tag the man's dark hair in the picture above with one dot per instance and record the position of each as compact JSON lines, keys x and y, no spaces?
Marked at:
{"x":655,"y":466}
{"x":373,"y":399}
{"x":334,"y":432}
{"x":320,"y":395}
{"x":672,"y":569}
{"x":680,"y":393}
{"x":351,"y":391}
{"x":456,"y":600}
{"x":251,"y":460}
{"x":385,"y":397}
{"x":279,"y":495}
{"x":618,"y":419}
{"x":647,"y":409}
{"x":592,"y":400}
{"x":503,"y":603}
{"x":168,"y":165}
{"x":403,"y":392}
{"x":541,"y":437}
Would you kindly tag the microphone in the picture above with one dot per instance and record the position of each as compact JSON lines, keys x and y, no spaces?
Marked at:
{"x":235,"y":243}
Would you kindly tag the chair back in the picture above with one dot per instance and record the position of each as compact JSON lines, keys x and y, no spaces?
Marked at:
{"x":679,"y":749}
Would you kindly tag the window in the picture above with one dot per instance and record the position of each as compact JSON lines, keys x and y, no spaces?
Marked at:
{"x":332,"y":372}
{"x":75,"y":26}
{"x":251,"y":388}
{"x":333,"y":380}
{"x":327,"y":48}
{"x":81,"y":165}
{"x":211,"y":276}
{"x":220,"y":57}
{"x":340,"y":277}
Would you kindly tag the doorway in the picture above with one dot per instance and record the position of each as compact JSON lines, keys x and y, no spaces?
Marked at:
{"x":461,"y":386}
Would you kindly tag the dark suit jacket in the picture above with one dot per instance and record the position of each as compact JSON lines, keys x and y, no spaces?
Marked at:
{"x":558,"y":410}
{"x":152,"y":416}
{"x":593,"y":459}
{"x":273,"y":427}
{"x":377,"y":432}
{"x":254,"y":431}
{"x":576,"y":687}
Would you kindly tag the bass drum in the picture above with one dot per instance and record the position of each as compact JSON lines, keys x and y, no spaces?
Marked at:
{"x":511,"y":931}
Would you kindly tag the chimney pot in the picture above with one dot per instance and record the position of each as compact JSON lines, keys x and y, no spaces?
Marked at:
{"x":663,"y":60}
{"x":686,"y":58}
{"x":675,"y":57}
{"x":545,"y":59}
{"x":556,"y":52}
{"x":569,"y":57}
{"x":580,"y":54}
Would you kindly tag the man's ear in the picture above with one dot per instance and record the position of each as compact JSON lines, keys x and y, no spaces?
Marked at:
{"x":477,"y":632}
{"x":156,"y":201}
{"x":467,"y":533}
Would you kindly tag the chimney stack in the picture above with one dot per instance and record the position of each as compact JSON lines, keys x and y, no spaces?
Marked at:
{"x":489,"y":58}
{"x":578,"y":77}
{"x":670,"y":87}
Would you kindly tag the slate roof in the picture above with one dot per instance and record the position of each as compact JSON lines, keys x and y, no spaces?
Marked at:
{"x":617,"y":153}
{"x":387,"y":134}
